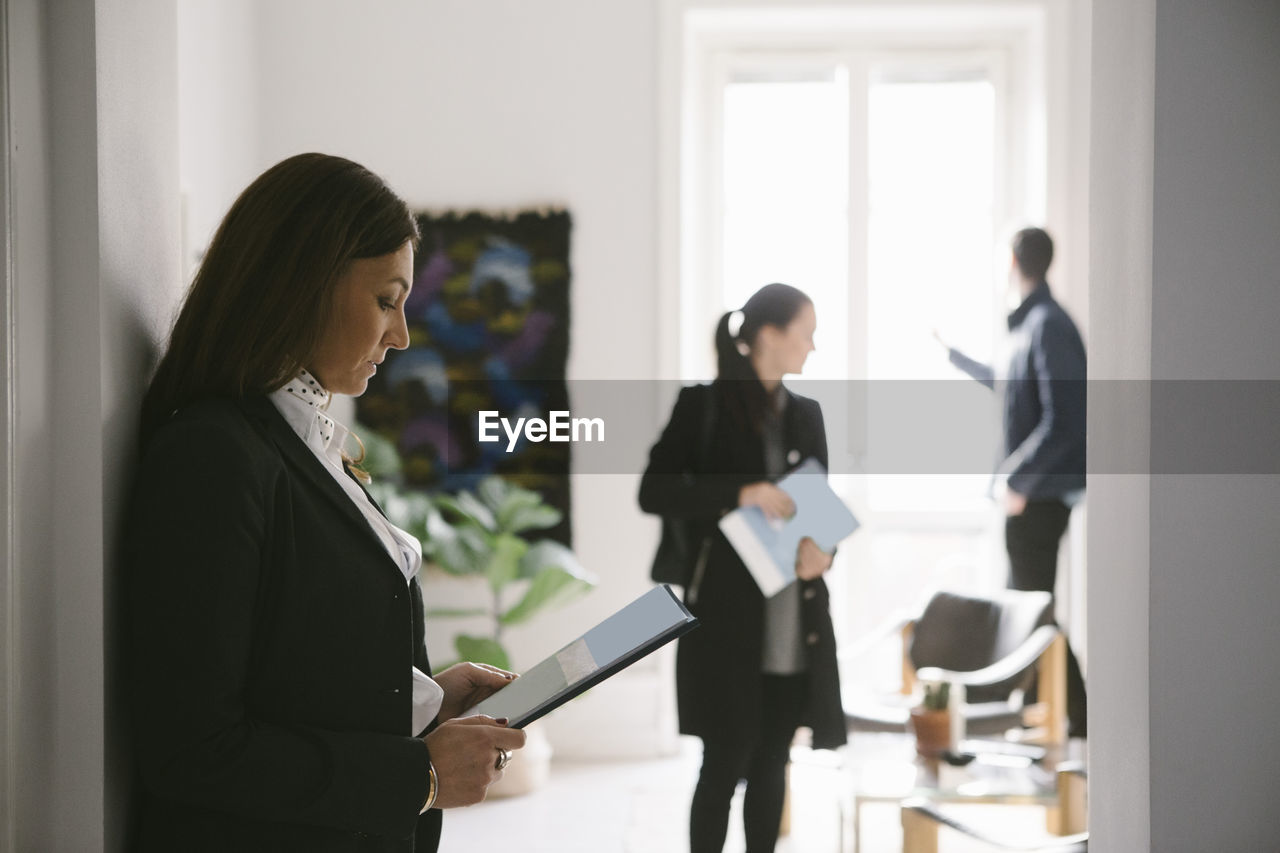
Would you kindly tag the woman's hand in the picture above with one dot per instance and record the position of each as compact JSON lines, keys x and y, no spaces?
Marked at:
{"x":774,"y":502}
{"x":465,"y":754}
{"x":467,"y":684}
{"x":811,"y":561}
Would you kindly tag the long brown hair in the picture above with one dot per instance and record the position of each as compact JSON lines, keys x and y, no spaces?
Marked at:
{"x":252,"y":317}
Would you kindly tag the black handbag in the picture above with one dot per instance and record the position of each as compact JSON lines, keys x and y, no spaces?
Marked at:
{"x":681,"y":547}
{"x":674,"y":561}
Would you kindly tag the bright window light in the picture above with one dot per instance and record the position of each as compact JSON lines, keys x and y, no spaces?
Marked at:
{"x":929,"y":265}
{"x":785,"y":200}
{"x":786,"y":216}
{"x":931,"y":152}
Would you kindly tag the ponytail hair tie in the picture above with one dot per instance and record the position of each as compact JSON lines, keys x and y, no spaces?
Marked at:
{"x":735,"y":324}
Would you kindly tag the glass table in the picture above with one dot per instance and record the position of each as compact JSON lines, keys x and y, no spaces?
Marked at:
{"x":885,"y":768}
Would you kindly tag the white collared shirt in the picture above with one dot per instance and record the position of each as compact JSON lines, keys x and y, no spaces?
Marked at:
{"x":302,"y":402}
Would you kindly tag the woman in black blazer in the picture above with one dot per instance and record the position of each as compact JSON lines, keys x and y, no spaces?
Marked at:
{"x":756,"y":669}
{"x":278,"y":676}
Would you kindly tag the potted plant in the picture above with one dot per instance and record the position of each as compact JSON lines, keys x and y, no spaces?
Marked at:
{"x":481,"y":538}
{"x":931,"y":720}
{"x":482,"y":534}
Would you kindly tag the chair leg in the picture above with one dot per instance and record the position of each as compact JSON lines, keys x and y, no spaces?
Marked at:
{"x":1047,"y":718}
{"x":919,"y":833}
{"x":1053,"y":688}
{"x":784,"y":825}
{"x":908,"y":671}
{"x":1073,"y":808}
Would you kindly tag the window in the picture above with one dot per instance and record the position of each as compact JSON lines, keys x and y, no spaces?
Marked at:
{"x":785,"y":200}
{"x":877,"y":157}
{"x":924,"y":222}
{"x":931,"y":231}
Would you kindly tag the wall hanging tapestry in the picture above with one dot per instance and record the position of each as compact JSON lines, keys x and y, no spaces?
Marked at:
{"x":489,"y":332}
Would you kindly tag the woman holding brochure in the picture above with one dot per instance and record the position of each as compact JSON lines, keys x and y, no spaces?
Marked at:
{"x":757,"y":668}
{"x":280,"y":692}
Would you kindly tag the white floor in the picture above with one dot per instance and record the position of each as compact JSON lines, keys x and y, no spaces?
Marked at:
{"x":642,"y":807}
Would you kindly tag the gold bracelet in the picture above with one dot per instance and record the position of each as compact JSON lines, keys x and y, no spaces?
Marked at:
{"x":433,"y":787}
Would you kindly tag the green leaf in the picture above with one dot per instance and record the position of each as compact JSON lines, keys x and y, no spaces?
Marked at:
{"x":458,"y":550}
{"x":551,"y":585}
{"x":471,"y":506}
{"x":467,"y":509}
{"x":538,"y":517}
{"x":503,"y":565}
{"x":455,"y":613}
{"x":517,"y":509}
{"x":494,"y":491}
{"x":481,"y":650}
{"x":549,"y":553}
{"x":407,"y":510}
{"x":382,"y":491}
{"x":442,"y":544}
{"x":381,"y":459}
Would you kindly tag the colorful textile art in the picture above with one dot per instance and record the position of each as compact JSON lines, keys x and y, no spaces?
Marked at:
{"x":489,"y":332}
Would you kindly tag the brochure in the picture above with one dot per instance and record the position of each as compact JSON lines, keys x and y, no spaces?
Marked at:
{"x":768,"y":546}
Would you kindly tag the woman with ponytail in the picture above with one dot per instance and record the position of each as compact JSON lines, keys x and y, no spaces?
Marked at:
{"x":757,"y":668}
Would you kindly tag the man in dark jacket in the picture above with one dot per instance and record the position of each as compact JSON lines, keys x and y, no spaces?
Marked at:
{"x":1043,"y":390}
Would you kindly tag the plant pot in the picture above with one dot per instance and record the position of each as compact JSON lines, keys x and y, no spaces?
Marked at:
{"x":933,"y":731}
{"x":528,"y":768}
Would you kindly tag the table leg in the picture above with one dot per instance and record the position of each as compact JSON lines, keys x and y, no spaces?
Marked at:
{"x":919,"y":833}
{"x":857,"y":824}
{"x":1073,"y":811}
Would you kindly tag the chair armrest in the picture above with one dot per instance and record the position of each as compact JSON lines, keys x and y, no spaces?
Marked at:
{"x":1078,"y":843}
{"x":1007,"y":667}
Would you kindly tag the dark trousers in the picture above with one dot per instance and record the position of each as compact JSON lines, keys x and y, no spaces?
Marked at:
{"x":762,"y":761}
{"x":1032,"y":542}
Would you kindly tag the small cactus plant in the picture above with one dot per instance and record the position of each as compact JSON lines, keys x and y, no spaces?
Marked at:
{"x":937,"y":695}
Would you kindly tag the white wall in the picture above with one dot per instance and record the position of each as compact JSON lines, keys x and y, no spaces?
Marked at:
{"x":1184,"y":287}
{"x":495,"y":105}
{"x":1215,"y":545}
{"x":1123,"y":61}
{"x":138,"y":268}
{"x":30,"y":618}
{"x":217,"y":114}
{"x":95,"y":241}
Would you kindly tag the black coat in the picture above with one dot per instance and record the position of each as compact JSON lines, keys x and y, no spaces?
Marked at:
{"x":718,"y":666}
{"x":270,"y":641}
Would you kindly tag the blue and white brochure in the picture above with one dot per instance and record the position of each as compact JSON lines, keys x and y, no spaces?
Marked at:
{"x":768,"y":546}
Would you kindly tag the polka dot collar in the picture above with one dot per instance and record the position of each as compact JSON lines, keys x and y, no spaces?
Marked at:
{"x":307,"y":389}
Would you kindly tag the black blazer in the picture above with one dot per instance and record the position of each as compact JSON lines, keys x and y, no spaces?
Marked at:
{"x":718,"y":677}
{"x":270,"y":641}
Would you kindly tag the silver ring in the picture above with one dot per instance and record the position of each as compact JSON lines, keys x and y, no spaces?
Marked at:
{"x":503,"y":758}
